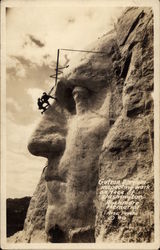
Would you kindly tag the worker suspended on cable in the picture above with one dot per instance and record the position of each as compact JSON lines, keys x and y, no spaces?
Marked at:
{"x":44,"y":100}
{"x":40,"y":105}
{"x":45,"y":97}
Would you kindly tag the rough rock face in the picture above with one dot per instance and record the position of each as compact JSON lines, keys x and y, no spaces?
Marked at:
{"x":16,"y":214}
{"x":101,"y":127}
{"x":127,"y":152}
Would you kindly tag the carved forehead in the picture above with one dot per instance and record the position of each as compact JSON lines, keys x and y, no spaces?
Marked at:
{"x":93,"y":70}
{"x":92,"y":74}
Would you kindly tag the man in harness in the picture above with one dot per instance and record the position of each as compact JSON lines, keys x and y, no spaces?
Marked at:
{"x":44,"y":100}
{"x":45,"y":97}
{"x":40,"y":105}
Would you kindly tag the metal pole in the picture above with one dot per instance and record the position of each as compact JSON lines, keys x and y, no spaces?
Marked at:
{"x":57,"y":67}
{"x":58,"y":52}
{"x":86,"y":51}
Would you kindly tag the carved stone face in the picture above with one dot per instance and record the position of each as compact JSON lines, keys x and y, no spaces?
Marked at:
{"x":70,"y":136}
{"x":76,"y":137}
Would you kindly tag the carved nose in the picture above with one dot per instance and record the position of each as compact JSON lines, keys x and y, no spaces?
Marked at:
{"x":49,"y":137}
{"x":46,"y":145}
{"x":80,"y":95}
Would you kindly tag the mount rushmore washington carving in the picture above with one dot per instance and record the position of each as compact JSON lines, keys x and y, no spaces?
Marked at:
{"x":99,"y":130}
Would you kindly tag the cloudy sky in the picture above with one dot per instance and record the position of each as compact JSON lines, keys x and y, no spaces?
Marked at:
{"x":33,"y":36}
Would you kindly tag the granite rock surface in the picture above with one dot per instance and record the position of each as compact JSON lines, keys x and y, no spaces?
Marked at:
{"x":101,"y":128}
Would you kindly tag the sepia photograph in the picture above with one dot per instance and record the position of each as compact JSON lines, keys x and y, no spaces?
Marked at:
{"x":80,"y":124}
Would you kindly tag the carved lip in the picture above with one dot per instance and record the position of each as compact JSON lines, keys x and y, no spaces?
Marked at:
{"x":55,"y":178}
{"x":53,"y":172}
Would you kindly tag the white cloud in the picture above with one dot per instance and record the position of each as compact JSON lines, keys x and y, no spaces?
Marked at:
{"x":49,"y":84}
{"x":14,"y":63}
{"x":11,"y":62}
{"x":23,"y":169}
{"x":51,"y":26}
{"x":14,"y":104}
{"x":18,"y":135}
{"x":20,"y":71}
{"x":23,"y":174}
{"x":35,"y":93}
